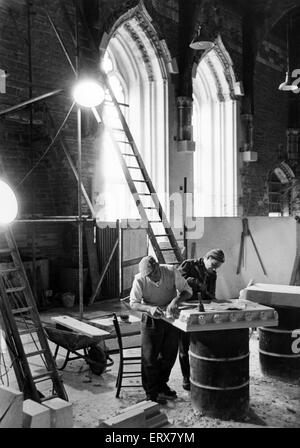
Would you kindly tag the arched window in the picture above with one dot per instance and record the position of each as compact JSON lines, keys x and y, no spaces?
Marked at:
{"x":215,"y":134}
{"x":114,"y":200}
{"x":136,"y":63}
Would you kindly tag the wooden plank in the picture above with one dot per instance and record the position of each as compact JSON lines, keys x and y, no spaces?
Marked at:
{"x":131,"y":262}
{"x":78,"y":326}
{"x":274,"y":295}
{"x":108,"y":321}
{"x":92,"y":257}
{"x":132,"y":327}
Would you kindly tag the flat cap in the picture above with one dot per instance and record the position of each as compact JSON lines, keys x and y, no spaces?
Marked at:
{"x":147,"y":265}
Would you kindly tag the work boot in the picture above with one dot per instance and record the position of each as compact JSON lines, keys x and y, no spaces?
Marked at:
{"x":167,"y":393}
{"x":186,"y":383}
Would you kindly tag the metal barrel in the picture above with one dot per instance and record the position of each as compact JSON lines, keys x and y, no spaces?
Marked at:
{"x":279,"y":347}
{"x":219,"y":372}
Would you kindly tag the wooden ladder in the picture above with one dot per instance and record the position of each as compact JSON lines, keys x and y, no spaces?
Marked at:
{"x":21,"y":317}
{"x":154,"y":220}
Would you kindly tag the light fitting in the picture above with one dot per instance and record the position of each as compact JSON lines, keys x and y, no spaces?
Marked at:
{"x":201,"y":41}
{"x":287,"y":85}
{"x":8,"y":204}
{"x":88,"y":93}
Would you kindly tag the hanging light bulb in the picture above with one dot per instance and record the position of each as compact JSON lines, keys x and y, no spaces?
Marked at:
{"x":88,"y":93}
{"x":201,"y":41}
{"x":8,"y":204}
{"x":287,"y":85}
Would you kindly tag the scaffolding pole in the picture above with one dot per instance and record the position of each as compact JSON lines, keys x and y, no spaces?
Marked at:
{"x":79,"y":145}
{"x":63,"y":219}
{"x":80,"y":219}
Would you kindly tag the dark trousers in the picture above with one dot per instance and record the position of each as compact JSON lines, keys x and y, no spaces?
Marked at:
{"x":184,"y":343}
{"x":159,"y":352}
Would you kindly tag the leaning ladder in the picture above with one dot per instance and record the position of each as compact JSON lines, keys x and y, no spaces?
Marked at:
{"x":159,"y":231}
{"x":21,"y":317}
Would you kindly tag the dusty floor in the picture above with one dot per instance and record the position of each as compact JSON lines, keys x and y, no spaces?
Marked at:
{"x":273,"y":402}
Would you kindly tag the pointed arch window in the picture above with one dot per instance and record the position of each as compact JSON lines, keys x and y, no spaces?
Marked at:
{"x":138,"y":74}
{"x":215,"y":134}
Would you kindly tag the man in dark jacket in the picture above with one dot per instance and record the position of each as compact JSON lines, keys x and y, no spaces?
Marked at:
{"x":201,"y":276}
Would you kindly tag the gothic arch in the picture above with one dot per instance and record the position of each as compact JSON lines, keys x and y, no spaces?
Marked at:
{"x":140,"y":28}
{"x":143,"y":63}
{"x":215,"y":132}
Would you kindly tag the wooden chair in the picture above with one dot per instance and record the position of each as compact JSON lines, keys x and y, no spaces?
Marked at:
{"x":130,"y":355}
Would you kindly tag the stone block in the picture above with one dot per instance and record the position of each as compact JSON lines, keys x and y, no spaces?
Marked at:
{"x":61,"y":413}
{"x":35,"y":415}
{"x":274,"y":295}
{"x":149,"y":408}
{"x":11,"y":407}
{"x":135,"y":418}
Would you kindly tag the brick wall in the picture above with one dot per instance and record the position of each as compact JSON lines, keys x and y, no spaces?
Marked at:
{"x":271,"y":115}
{"x":52,"y":189}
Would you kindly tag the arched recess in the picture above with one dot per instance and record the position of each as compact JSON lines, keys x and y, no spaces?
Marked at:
{"x":280,"y":183}
{"x":215,"y":106}
{"x":134,"y":56}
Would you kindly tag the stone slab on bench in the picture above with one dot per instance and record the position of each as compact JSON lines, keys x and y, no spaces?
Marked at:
{"x":273,"y":295}
{"x":225,"y":316}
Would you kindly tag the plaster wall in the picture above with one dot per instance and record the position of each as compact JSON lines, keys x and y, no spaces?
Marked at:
{"x":276,"y":242}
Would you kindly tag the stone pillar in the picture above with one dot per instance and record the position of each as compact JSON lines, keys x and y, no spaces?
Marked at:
{"x":248,"y":154}
{"x":293,"y":145}
{"x":185,"y":130}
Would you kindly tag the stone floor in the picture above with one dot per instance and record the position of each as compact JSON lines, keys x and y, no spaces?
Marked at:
{"x":273,"y":402}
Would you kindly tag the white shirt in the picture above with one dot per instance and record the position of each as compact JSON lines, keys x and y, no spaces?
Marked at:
{"x":159,"y":293}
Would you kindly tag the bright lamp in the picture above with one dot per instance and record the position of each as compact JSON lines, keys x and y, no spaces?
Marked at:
{"x":8,"y":204}
{"x":88,"y":93}
{"x":288,"y":85}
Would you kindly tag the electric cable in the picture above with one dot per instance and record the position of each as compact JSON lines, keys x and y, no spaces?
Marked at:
{"x":49,"y":146}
